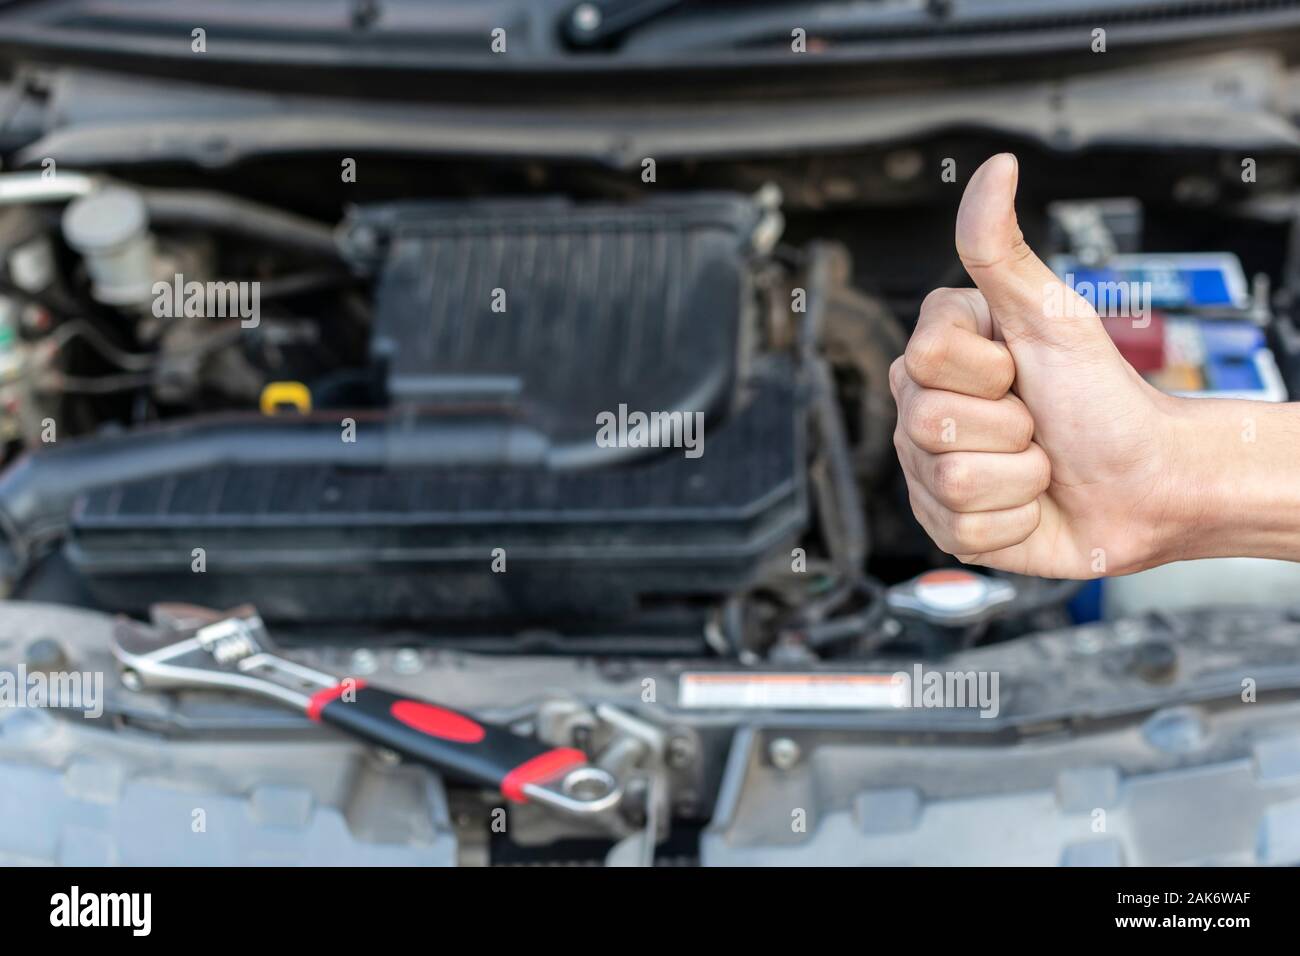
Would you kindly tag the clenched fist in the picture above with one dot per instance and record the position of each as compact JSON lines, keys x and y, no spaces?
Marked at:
{"x":1031,"y":445}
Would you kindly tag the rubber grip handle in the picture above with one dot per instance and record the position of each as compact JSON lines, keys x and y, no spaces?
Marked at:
{"x":454,"y":743}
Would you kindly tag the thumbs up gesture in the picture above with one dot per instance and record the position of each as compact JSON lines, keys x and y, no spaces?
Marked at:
{"x":1028,"y":442}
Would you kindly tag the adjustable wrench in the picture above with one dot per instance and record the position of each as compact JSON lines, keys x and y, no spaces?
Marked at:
{"x":234,"y":652}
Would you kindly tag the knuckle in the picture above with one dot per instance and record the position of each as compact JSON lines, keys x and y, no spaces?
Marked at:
{"x":1033,"y":515}
{"x":1020,"y":430}
{"x":904,"y":449}
{"x":897,"y":373}
{"x":926,"y":354}
{"x":968,"y":532}
{"x":900,"y":439}
{"x":953,"y":480}
{"x":927,"y":420}
{"x":1001,"y":374}
{"x":1044,"y":473}
{"x":1020,"y":251}
{"x":943,"y":298}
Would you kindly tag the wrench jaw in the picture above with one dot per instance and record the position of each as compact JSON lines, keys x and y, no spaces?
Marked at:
{"x":586,"y":791}
{"x":225,"y":652}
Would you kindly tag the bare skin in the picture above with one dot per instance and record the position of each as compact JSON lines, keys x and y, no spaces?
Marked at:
{"x":1030,"y":445}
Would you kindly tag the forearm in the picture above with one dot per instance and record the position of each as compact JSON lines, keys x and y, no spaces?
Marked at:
{"x":1236,"y":481}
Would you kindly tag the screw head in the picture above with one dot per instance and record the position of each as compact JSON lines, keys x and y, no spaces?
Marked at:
{"x":587,"y":17}
{"x":45,"y":654}
{"x":364,"y":662}
{"x":784,"y":753}
{"x":407,"y":661}
{"x":1154,"y":661}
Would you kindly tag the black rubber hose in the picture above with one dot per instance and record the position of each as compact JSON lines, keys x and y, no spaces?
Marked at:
{"x":222,"y":212}
{"x":847,"y":523}
{"x":38,"y":490}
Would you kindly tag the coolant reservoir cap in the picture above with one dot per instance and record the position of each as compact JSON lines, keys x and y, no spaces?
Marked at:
{"x":951,"y":597}
{"x":951,"y":590}
{"x":104,"y":219}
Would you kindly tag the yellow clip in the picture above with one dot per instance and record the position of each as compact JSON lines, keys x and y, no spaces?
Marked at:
{"x":276,"y":395}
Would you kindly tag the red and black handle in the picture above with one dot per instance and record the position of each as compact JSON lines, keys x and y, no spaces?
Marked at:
{"x":454,"y":743}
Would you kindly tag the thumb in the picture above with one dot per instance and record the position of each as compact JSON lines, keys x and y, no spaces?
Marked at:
{"x":1025,"y":297}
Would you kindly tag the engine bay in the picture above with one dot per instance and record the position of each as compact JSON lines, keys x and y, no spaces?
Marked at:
{"x":444,"y":416}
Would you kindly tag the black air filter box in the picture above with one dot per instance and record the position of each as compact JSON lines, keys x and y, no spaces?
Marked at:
{"x":545,"y":313}
{"x":559,"y":310}
{"x":315,"y":543}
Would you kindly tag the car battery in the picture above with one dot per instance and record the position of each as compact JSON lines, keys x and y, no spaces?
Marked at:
{"x":1187,"y":324}
{"x":1185,"y":321}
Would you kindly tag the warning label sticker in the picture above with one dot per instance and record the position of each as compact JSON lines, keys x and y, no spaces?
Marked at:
{"x":793,"y":691}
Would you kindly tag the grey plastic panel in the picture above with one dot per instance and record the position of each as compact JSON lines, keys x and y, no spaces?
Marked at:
{"x":1128,"y":797}
{"x":74,"y":796}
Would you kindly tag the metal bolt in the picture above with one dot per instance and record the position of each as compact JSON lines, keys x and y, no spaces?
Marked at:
{"x":681,"y":752}
{"x":407,"y":661}
{"x":45,"y":654}
{"x":784,"y":753}
{"x":364,"y":662}
{"x":365,"y":239}
{"x":1154,"y":661}
{"x":903,"y":165}
{"x":587,"y":17}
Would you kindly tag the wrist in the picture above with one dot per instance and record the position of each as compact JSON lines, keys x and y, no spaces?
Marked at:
{"x":1233,"y":488}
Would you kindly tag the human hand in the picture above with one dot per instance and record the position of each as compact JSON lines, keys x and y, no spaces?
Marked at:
{"x":1028,"y":442}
